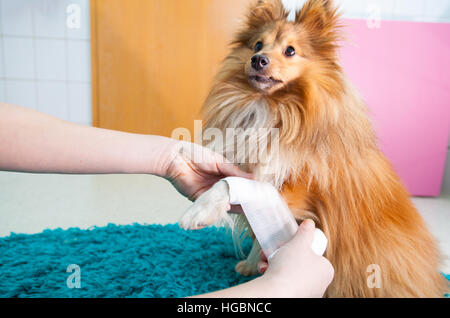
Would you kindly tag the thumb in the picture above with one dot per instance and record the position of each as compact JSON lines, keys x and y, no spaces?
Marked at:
{"x":302,"y":240}
{"x":305,"y":234}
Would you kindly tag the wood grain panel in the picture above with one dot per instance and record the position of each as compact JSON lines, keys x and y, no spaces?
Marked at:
{"x":153,"y":60}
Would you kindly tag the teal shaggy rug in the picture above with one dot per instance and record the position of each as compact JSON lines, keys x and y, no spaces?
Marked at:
{"x":118,"y":261}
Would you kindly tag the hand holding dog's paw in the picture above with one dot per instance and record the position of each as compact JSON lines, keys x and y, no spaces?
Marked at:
{"x":194,"y":169}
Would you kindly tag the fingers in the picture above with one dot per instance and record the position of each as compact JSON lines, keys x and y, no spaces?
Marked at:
{"x":236,"y":209}
{"x":224,"y":166}
{"x":263,"y":264}
{"x":303,"y":237}
{"x":305,"y":233}
{"x":263,"y":256}
{"x":329,"y":272}
{"x":262,"y":267}
{"x":230,"y":170}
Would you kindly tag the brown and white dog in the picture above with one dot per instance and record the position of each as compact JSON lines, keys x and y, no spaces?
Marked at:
{"x":286,"y":75}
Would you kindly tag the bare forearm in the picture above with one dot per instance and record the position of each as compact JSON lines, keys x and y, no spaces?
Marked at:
{"x":261,"y":287}
{"x":257,"y":288}
{"x":34,"y":142}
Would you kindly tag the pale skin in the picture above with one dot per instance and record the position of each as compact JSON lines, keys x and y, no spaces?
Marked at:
{"x":294,"y":271}
{"x":34,"y":142}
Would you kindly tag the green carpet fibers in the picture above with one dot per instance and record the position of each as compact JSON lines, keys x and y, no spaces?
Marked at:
{"x":118,"y":261}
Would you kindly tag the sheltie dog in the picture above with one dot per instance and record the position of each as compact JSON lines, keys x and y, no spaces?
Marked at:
{"x":285,"y":74}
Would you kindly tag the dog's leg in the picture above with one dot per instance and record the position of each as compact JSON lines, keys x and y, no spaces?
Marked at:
{"x":210,"y":208}
{"x":249,"y":266}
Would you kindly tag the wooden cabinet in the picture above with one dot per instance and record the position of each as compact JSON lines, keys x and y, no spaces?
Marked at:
{"x":153,"y":61}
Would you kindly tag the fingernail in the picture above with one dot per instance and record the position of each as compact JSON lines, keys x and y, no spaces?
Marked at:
{"x":308,"y":225}
{"x":262,"y":268}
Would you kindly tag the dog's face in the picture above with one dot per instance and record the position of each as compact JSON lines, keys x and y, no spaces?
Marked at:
{"x":277,"y":52}
{"x":277,"y":56}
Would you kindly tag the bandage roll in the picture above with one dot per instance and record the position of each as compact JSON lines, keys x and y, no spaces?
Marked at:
{"x":268,"y":215}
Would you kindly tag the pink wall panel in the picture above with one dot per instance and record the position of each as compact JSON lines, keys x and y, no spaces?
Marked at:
{"x":403,"y":72}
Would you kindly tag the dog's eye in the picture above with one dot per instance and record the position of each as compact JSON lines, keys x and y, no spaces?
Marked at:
{"x":258,"y":46}
{"x":290,"y":51}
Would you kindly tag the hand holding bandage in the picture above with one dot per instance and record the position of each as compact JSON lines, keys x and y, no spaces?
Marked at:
{"x":291,"y":258}
{"x":268,"y":215}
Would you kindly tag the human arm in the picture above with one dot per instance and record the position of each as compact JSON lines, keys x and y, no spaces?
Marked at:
{"x":31,"y":141}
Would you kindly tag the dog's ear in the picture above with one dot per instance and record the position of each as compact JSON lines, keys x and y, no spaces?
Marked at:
{"x":318,"y":15}
{"x":265,"y":11}
{"x":260,"y":12}
{"x":321,"y":20}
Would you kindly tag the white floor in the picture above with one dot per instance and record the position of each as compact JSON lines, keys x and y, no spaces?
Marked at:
{"x":31,"y":203}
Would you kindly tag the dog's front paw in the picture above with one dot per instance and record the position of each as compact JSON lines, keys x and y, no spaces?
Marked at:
{"x":245,"y":268}
{"x":210,"y":208}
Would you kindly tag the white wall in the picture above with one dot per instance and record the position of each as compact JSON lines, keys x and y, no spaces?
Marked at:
{"x":45,"y":56}
{"x":411,"y":10}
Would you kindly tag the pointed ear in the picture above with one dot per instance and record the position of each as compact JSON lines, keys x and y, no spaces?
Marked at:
{"x":265,"y":11}
{"x":321,"y":19}
{"x":259,"y":13}
{"x":318,"y":15}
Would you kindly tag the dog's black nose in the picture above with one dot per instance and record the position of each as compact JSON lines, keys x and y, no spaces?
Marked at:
{"x":259,"y":62}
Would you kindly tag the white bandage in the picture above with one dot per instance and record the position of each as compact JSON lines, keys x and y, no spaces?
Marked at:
{"x":268,"y":215}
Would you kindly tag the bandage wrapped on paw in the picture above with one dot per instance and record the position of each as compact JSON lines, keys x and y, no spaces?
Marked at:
{"x":268,"y":215}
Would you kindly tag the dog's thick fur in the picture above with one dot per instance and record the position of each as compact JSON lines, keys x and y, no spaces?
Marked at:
{"x":329,"y":167}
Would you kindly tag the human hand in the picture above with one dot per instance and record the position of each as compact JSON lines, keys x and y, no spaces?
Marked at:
{"x":295,"y":269}
{"x":194,"y":169}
